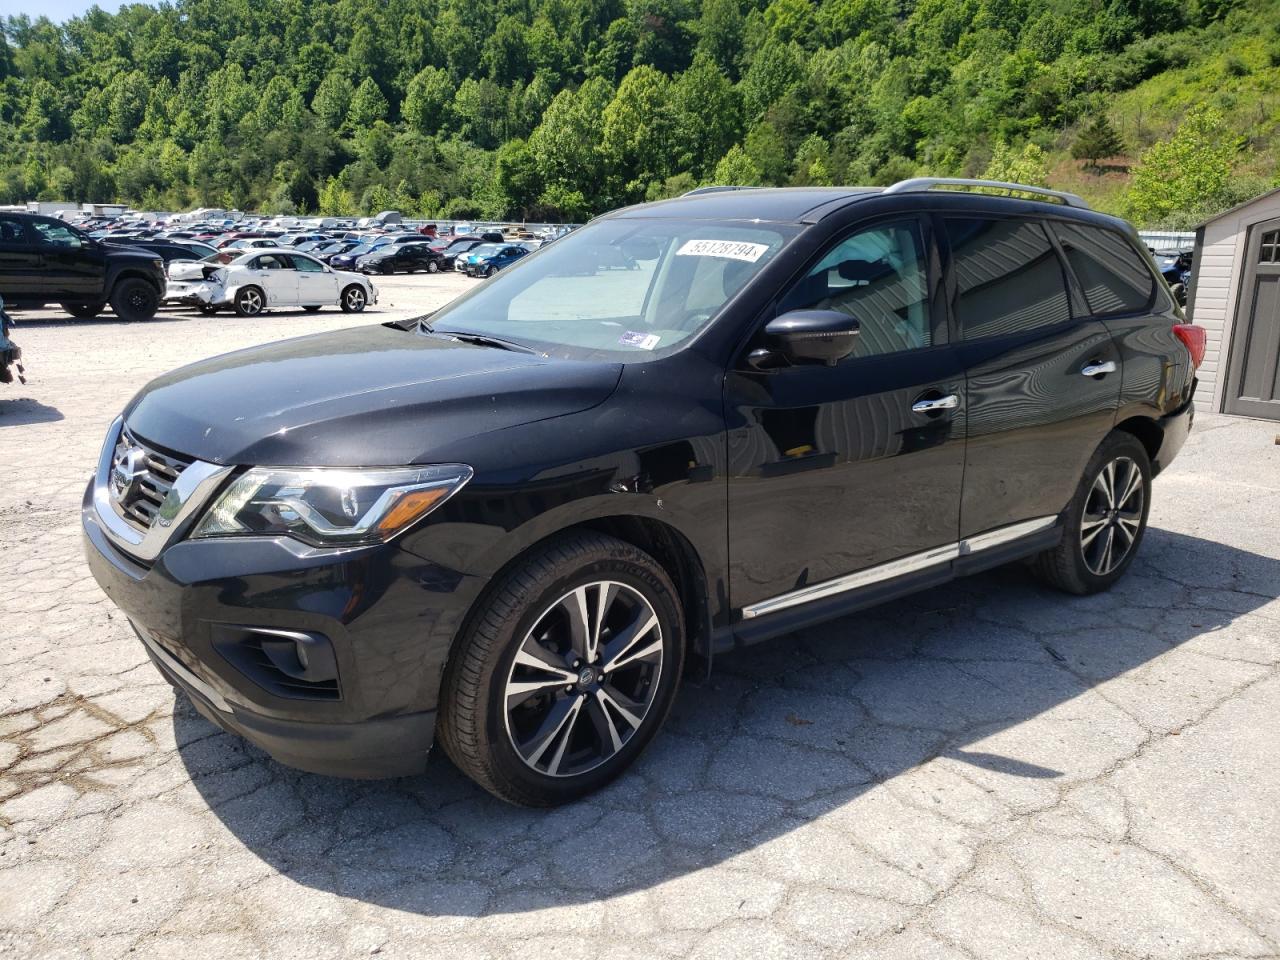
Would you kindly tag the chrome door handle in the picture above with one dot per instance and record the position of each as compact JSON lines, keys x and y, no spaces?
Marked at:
{"x":1096,"y":369}
{"x":949,"y":402}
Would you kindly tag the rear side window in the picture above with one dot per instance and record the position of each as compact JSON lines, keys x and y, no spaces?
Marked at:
{"x":1115,"y":277}
{"x":1008,"y":277}
{"x":13,"y":231}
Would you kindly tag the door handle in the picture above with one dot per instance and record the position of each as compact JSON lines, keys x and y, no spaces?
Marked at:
{"x":949,"y":402}
{"x":1096,"y":368}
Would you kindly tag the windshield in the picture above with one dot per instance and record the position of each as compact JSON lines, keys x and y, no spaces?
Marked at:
{"x":617,"y":289}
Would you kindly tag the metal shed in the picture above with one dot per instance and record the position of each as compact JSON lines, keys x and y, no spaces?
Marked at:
{"x":1235,"y":296}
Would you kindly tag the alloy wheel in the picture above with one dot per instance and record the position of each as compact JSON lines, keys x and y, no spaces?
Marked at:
{"x":583,"y":679}
{"x":1112,"y":516}
{"x":250,"y":302}
{"x":355,"y":298}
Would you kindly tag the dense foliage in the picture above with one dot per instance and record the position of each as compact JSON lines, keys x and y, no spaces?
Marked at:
{"x":561,"y":108}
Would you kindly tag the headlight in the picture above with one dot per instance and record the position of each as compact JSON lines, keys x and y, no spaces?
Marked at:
{"x":331,"y":507}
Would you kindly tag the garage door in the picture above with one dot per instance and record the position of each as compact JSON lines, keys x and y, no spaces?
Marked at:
{"x":1253,"y":384}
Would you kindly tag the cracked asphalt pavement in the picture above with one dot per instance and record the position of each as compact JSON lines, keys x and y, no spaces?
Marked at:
{"x":989,"y":769}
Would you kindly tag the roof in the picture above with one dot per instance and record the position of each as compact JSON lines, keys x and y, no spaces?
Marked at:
{"x":780,"y":204}
{"x":1238,"y":206}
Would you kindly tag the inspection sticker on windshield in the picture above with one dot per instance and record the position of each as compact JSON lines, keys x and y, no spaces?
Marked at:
{"x":730,"y":249}
{"x":645,"y":341}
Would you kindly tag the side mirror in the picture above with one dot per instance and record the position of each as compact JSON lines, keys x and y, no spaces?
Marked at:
{"x":813,"y":336}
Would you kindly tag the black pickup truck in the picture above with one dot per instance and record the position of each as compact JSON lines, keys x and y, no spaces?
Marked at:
{"x":43,"y":260}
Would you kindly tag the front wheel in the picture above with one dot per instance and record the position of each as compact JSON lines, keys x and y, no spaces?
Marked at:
{"x":354,"y":299}
{"x":490,"y":271}
{"x":567,"y":673}
{"x":432,"y":266}
{"x":1105,"y":521}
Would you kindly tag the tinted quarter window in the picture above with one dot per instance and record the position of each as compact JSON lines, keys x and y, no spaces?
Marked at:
{"x":877,"y":276}
{"x":1008,"y":277}
{"x":1115,"y":277}
{"x":13,"y":231}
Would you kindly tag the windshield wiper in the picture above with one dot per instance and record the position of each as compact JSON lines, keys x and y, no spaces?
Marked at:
{"x":480,"y":339}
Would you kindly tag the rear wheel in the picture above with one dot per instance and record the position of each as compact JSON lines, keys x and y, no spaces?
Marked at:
{"x":135,"y":299}
{"x":354,"y":299}
{"x":84,"y":311}
{"x":1105,"y":521}
{"x":567,"y":673}
{"x":250,"y":302}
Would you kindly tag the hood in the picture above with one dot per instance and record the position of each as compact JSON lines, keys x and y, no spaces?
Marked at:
{"x":367,"y":396}
{"x":124,"y":250}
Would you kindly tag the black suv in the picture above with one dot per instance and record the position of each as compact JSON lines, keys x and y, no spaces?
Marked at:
{"x":43,"y":260}
{"x":506,"y":526}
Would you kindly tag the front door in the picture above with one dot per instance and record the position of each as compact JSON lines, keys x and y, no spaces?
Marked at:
{"x":1043,"y":380}
{"x":839,"y":470}
{"x":316,"y":285}
{"x":74,"y":266}
{"x":1253,"y":377}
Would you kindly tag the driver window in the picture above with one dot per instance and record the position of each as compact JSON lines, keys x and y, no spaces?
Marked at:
{"x":57,"y":234}
{"x":306,"y":265}
{"x":878,"y":276}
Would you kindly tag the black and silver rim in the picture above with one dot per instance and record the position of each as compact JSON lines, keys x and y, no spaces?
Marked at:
{"x":584,"y":678}
{"x":1112,"y":516}
{"x":355,"y":298}
{"x":139,"y":299}
{"x":250,"y":302}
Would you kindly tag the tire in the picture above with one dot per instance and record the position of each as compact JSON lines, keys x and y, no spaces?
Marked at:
{"x":208,"y":309}
{"x":1085,"y":561}
{"x":84,"y":311}
{"x":503,"y":750}
{"x":354,"y":299}
{"x":311,"y":309}
{"x":433,"y":266}
{"x":250,"y":301}
{"x":490,"y":271}
{"x":135,"y":299}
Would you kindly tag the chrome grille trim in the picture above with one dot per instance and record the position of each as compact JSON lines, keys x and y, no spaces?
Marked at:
{"x":144,"y":524}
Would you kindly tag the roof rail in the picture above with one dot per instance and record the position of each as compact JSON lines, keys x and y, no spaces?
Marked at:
{"x":920,"y":184}
{"x":701,"y":190}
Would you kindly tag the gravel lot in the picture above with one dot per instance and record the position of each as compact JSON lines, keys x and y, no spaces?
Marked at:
{"x":986,"y":770}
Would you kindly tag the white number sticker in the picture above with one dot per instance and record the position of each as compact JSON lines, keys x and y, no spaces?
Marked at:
{"x":729,"y":249}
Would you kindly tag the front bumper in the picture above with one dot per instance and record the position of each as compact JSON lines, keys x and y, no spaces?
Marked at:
{"x":388,"y":616}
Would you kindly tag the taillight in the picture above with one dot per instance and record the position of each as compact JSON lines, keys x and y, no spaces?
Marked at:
{"x":1196,"y":340}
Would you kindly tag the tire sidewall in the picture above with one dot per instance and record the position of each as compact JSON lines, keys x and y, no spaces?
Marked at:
{"x":121,"y":295}
{"x":347,"y":307}
{"x":509,"y":765}
{"x":245,"y":313}
{"x":1116,"y":445}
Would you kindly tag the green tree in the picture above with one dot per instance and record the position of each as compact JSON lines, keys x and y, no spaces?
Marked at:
{"x":428,"y":99}
{"x":1096,"y":140}
{"x":368,"y":106}
{"x":774,"y":70}
{"x":638,"y":127}
{"x":707,"y":115}
{"x":1027,"y":165}
{"x":736,"y":169}
{"x":332,"y":100}
{"x":1179,"y":180}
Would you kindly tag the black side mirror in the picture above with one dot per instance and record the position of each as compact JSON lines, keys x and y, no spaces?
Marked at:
{"x":813,"y":336}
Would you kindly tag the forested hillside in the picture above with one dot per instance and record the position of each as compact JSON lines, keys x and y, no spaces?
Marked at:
{"x":563,"y":108}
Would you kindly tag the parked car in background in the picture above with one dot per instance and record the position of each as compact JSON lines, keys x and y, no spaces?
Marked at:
{"x":401,"y":258}
{"x":259,"y":280}
{"x":488,"y":259}
{"x":347,"y":259}
{"x":326,"y":251}
{"x":170,"y":250}
{"x":457,"y":247}
{"x":44,"y":260}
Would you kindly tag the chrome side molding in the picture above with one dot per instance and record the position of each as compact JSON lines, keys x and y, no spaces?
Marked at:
{"x":914,"y":563}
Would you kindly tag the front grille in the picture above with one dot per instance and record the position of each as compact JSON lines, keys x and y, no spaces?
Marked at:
{"x":140,"y":479}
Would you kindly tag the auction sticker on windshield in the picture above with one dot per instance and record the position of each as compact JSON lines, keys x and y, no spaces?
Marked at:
{"x":731,"y":249}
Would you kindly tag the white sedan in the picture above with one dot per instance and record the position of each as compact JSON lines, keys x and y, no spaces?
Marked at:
{"x":255,"y":281}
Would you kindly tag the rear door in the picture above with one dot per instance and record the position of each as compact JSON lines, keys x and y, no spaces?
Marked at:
{"x":19,"y":260}
{"x":274,"y":273}
{"x":1042,"y":374}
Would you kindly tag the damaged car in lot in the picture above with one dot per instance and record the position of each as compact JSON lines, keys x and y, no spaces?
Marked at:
{"x":257,"y":281}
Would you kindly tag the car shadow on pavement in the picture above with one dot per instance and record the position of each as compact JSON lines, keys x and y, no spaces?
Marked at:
{"x":878,"y":734}
{"x":23,"y":410}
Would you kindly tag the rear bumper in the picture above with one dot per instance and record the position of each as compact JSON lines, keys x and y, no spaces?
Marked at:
{"x":1175,"y":427}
